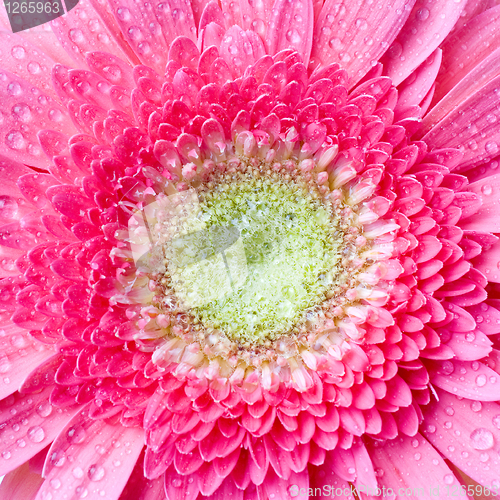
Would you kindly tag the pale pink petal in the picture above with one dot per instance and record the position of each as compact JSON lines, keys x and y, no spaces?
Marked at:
{"x":468,"y":48}
{"x":27,"y":114}
{"x":149,"y":46}
{"x":472,"y":380}
{"x":426,"y":28}
{"x":489,"y":263}
{"x":411,"y":462}
{"x":39,"y":36}
{"x":487,"y":218}
{"x":27,"y":61}
{"x":472,"y":127}
{"x":414,"y":89}
{"x":355,"y":34}
{"x":472,"y":9}
{"x":103,"y":457}
{"x":20,"y":484}
{"x":291,"y":27}
{"x":78,"y":30}
{"x":465,"y":432}
{"x":34,"y":423}
{"x":20,"y":354}
{"x":241,"y":49}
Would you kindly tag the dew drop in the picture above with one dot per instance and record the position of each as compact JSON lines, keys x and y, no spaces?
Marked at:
{"x":18,"y":52}
{"x":75,"y":434}
{"x":36,"y":434}
{"x":34,"y":68}
{"x":481,"y":380}
{"x":476,"y":406}
{"x":482,"y":439}
{"x":76,"y":35}
{"x":422,"y":14}
{"x":448,"y":479}
{"x":44,"y":409}
{"x":487,"y":189}
{"x":496,"y":421}
{"x":78,"y":472}
{"x":96,"y":472}
{"x":491,"y":147}
{"x":55,"y":483}
{"x":6,"y":455}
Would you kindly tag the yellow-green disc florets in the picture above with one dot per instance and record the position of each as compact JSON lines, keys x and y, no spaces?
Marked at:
{"x":270,"y":256}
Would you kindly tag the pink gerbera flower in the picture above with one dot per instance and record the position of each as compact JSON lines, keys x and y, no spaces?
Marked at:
{"x":248,"y":251}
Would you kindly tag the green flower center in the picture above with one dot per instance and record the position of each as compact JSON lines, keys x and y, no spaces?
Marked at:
{"x":264,"y":255}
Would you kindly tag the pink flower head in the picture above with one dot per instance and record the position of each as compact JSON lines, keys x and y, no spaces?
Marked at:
{"x":248,"y":251}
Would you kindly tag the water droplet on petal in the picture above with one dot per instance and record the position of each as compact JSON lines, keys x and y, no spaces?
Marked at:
{"x":481,"y":380}
{"x":476,"y":406}
{"x":18,"y":52}
{"x":78,"y":472}
{"x":448,"y":479}
{"x":482,"y":439}
{"x":44,"y":409}
{"x":96,"y":472}
{"x":36,"y":434}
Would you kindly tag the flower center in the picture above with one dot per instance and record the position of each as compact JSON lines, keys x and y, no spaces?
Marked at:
{"x":271,"y":252}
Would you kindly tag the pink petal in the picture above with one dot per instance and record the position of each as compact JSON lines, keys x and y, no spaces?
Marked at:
{"x":180,"y":487}
{"x":411,"y":462}
{"x":291,"y":26}
{"x":176,"y":19}
{"x":103,"y":457}
{"x":465,"y":432}
{"x":487,"y":218}
{"x":76,"y":36}
{"x":469,"y":41}
{"x":470,"y":346}
{"x":428,"y":24}
{"x":22,"y":123}
{"x":472,"y":380}
{"x":335,"y":486}
{"x":151,"y":49}
{"x":275,"y":487}
{"x":19,"y":356}
{"x":471,"y":126}
{"x":227,"y":490}
{"x":241,"y":49}
{"x":20,"y":484}
{"x":346,"y":30}
{"x":413,"y":90}
{"x":44,"y":423}
{"x":24,"y":63}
